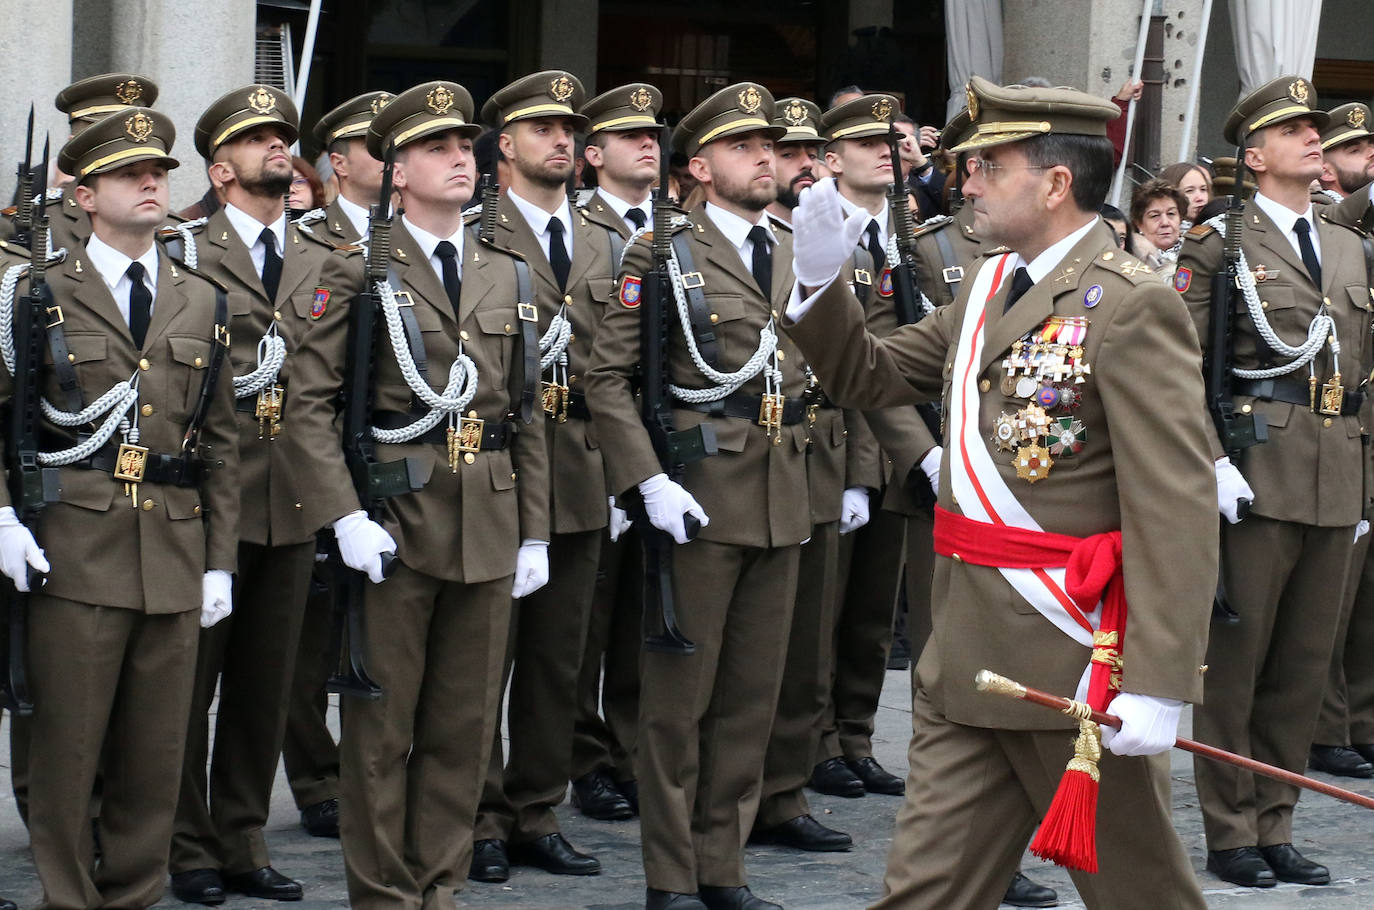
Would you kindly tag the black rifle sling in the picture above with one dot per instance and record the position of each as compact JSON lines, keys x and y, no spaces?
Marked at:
{"x":523,"y":384}
{"x":62,"y":362}
{"x":863,"y":274}
{"x":617,"y":244}
{"x":219,"y":346}
{"x":697,"y":309}
{"x":406,"y":307}
{"x":951,"y":263}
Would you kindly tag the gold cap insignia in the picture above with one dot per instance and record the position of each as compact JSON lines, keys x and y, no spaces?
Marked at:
{"x":749,"y":100}
{"x":138,"y":127}
{"x":882,"y":110}
{"x":129,"y":92}
{"x":794,"y":113}
{"x":1355,"y":118}
{"x":262,"y":101}
{"x":380,"y":102}
{"x":972,"y":102}
{"x":561,"y":89}
{"x":640,"y":99}
{"x":1298,"y":91}
{"x":439,"y":100}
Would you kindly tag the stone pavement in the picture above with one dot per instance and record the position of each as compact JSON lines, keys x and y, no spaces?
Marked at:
{"x":1331,"y":832}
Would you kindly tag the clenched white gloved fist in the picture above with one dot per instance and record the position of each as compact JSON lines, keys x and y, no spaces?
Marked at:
{"x":823,"y":239}
{"x":216,"y":597}
{"x":531,"y":568}
{"x":853,"y":509}
{"x":668,"y":505}
{"x":362,"y":542}
{"x":1361,"y":529}
{"x":620,"y":521}
{"x":18,"y":550}
{"x":1149,"y":725}
{"x":1231,"y":488}
{"x":931,"y":465}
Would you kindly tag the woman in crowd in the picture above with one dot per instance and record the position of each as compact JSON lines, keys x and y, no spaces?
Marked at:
{"x":1195,"y":183}
{"x":1157,"y":214}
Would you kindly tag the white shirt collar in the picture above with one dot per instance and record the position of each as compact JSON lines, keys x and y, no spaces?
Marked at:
{"x":1285,"y":218}
{"x":249,"y":228}
{"x":357,"y":215}
{"x":539,"y":219}
{"x":1043,"y":264}
{"x":112,"y":264}
{"x":428,"y":242}
{"x":621,"y":207}
{"x":735,"y":228}
{"x":882,"y":217}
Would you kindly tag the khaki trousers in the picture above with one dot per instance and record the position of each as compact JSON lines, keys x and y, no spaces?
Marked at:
{"x":1347,"y":714}
{"x":308,"y":750}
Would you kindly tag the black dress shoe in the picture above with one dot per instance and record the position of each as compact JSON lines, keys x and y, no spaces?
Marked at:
{"x":489,"y":862}
{"x":1291,"y":866}
{"x":1241,"y":866}
{"x":1341,"y":761}
{"x":597,"y":796}
{"x":833,"y":778}
{"x":1022,"y":892}
{"x":655,"y":899}
{"x":198,"y":886}
{"x":266,"y":883}
{"x":321,"y":819}
{"x":740,"y":898}
{"x":875,"y":778}
{"x":553,"y":853}
{"x":899,"y":657}
{"x":631,"y":790}
{"x":1366,"y":751}
{"x":803,"y":833}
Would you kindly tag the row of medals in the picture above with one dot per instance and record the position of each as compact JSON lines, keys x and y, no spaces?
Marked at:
{"x":1045,"y":367}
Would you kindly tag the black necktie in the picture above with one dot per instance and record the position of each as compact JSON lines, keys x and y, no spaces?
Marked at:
{"x":271,"y":264}
{"x":875,"y":246}
{"x":763,"y":260}
{"x":1020,"y":284}
{"x":140,"y":304}
{"x":448,"y":261}
{"x":1309,"y":253}
{"x":638,"y":217}
{"x":558,"y":254}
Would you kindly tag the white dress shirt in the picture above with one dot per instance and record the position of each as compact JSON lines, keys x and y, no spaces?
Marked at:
{"x":1285,"y":218}
{"x":538,"y":220}
{"x":622,"y":208}
{"x":428,"y":242}
{"x":736,"y":230}
{"x":113,"y":267}
{"x":850,"y":208}
{"x":357,"y":215}
{"x":249,"y":230}
{"x":1039,"y":267}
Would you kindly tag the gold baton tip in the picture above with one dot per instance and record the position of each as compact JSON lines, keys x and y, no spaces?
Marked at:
{"x":988,"y":681}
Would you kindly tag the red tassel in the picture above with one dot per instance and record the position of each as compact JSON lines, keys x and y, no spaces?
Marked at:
{"x":1068,"y":833}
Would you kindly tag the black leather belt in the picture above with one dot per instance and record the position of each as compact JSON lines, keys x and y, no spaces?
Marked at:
{"x":577,"y":406}
{"x":494,"y":434}
{"x":157,"y":467}
{"x":1294,"y":393}
{"x":746,"y":407}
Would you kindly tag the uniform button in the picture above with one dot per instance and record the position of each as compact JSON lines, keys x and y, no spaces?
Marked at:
{"x":1107,"y":257}
{"x":144,"y":364}
{"x":1264,"y":304}
{"x":71,"y":358}
{"x":1202,"y":669}
{"x":512,"y":475}
{"x":508,"y":327}
{"x":276,"y":314}
{"x":782,"y":355}
{"x":148,"y":505}
{"x":146,"y":410}
{"x":1246,"y":409}
{"x":195,"y":510}
{"x":571,"y":338}
{"x":1326,"y":422}
{"x":956,"y":557}
{"x":715,"y":317}
{"x":463,"y":335}
{"x":298,"y":505}
{"x":472,"y":413}
{"x":469,"y":458}
{"x":984,"y":385}
{"x":1326,"y":301}
{"x":199,"y":363}
{"x":567,"y":299}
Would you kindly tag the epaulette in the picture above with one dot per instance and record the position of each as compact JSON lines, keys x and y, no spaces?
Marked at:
{"x":202,"y":275}
{"x":932,"y":224}
{"x":1200,"y":231}
{"x":996,"y":251}
{"x":1125,"y":265}
{"x":304,"y":229}
{"x":349,"y":248}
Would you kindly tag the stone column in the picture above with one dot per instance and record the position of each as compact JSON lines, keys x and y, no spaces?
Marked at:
{"x":35,"y":63}
{"x":567,"y":38}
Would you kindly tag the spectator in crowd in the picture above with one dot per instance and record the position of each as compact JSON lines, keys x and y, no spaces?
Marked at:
{"x":307,"y":192}
{"x":1194,"y":181}
{"x":1157,"y":214}
{"x":1120,"y":225}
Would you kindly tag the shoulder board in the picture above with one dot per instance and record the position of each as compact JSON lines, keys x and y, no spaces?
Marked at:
{"x":1124,"y":264}
{"x":995,"y":251}
{"x":1320,"y":212}
{"x":201,"y":275}
{"x":1200,"y":231}
{"x":349,"y":247}
{"x":305,"y":231}
{"x":933,"y":224}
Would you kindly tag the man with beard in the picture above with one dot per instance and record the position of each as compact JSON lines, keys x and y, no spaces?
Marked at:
{"x":704,"y":716}
{"x":623,"y":148}
{"x":536,"y":118}
{"x":272,"y":271}
{"x":1347,"y":152}
{"x":798,"y":154}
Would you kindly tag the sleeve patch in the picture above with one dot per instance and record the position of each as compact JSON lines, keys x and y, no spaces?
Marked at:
{"x":319,"y":303}
{"x":630,"y":287}
{"x":1183,"y":279}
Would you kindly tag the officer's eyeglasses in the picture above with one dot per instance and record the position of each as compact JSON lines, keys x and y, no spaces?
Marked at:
{"x":992,"y":170}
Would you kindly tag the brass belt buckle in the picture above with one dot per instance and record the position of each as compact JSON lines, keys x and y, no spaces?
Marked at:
{"x":131,"y":462}
{"x":268,"y":411}
{"x":463,"y":440}
{"x":770,"y":415}
{"x":1333,"y":396}
{"x":554,"y":396}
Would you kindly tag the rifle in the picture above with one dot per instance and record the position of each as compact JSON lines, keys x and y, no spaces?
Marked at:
{"x":21,"y":438}
{"x":1236,"y":432}
{"x":23,"y":197}
{"x":371,"y":484}
{"x":674,"y":448}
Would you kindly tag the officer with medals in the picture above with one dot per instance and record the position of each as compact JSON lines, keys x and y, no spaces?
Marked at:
{"x":343,"y":134}
{"x":454,"y":419}
{"x":1300,"y":343}
{"x":272,"y":271}
{"x":798,"y":154}
{"x":704,"y":717}
{"x":536,"y":119}
{"x":141,"y":512}
{"x":1065,"y":309}
{"x":623,"y":149}
{"x":834,"y":456}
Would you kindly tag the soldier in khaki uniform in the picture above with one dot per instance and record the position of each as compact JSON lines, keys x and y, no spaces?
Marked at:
{"x":343,"y":134}
{"x":572,"y":273}
{"x":704,"y":718}
{"x":983,"y":769}
{"x":623,"y":148}
{"x":272,"y":271}
{"x":1267,"y":672}
{"x":798,"y":154}
{"x":112,"y":635}
{"x":472,"y":532}
{"x":948,"y":245}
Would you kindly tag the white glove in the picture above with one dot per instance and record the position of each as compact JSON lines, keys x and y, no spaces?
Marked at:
{"x":1231,"y":487}
{"x":18,"y":550}
{"x":216,"y":597}
{"x":1149,"y":725}
{"x":822,"y":238}
{"x":931,"y":465}
{"x":531,"y":568}
{"x":1361,"y":529}
{"x":362,"y":542}
{"x":668,"y":505}
{"x":853,"y":509}
{"x":620,"y":521}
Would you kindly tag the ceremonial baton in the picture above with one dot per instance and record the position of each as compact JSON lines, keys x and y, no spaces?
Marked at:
{"x":988,"y":681}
